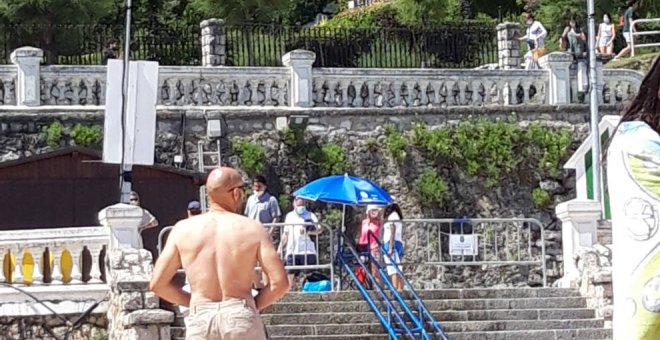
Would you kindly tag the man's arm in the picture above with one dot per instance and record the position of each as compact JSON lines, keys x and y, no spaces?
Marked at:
{"x":165,"y":269}
{"x":271,"y":265}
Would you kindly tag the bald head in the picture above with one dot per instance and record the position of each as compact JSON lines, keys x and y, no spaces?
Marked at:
{"x":221,"y":187}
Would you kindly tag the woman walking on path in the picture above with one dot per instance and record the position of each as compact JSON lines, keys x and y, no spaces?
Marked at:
{"x":393,"y":243}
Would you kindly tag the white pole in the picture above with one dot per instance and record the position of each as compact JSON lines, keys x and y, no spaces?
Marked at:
{"x":593,"y":103}
{"x":125,"y":176}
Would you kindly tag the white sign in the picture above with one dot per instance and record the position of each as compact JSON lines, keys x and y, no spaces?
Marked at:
{"x":139,"y":130}
{"x":463,"y":245}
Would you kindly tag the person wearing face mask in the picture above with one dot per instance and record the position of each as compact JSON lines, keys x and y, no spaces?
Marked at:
{"x":606,"y":35}
{"x":262,"y":206}
{"x":300,"y":249}
{"x":535,"y":38}
{"x":218,"y":251}
{"x":367,"y":244}
{"x":574,"y":39}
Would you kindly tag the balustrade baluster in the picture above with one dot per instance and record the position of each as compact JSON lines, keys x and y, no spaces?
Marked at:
{"x":76,"y":259}
{"x":17,"y":277}
{"x":95,"y":272}
{"x":37,"y":259}
{"x":56,"y":271}
{"x":344,"y":93}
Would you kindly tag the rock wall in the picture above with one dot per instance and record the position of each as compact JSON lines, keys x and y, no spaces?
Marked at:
{"x":53,"y":327}
{"x":361,"y":135}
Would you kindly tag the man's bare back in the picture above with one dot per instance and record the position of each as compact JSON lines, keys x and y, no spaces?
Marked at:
{"x":219,"y":251}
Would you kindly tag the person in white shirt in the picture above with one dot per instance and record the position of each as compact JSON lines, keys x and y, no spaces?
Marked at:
{"x":393,"y":243}
{"x":535,"y":37}
{"x":300,"y":249}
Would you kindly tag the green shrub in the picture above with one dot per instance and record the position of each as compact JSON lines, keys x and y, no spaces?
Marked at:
{"x":285,"y":202}
{"x":487,"y":148}
{"x":54,"y":134}
{"x":396,"y":143}
{"x":553,"y":146}
{"x":252,"y":157}
{"x":435,"y":144}
{"x":371,"y":144}
{"x":332,"y":217}
{"x":432,"y":188}
{"x":87,"y":136}
{"x":333,"y":160}
{"x":541,"y":198}
{"x":292,"y":137}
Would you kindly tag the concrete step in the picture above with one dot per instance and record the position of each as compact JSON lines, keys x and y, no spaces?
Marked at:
{"x":449,"y":327}
{"x":562,"y":334}
{"x":432,"y":305}
{"x":440,"y":316}
{"x":444,"y":294}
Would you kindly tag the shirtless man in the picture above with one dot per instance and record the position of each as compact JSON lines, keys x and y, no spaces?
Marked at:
{"x":219,"y":251}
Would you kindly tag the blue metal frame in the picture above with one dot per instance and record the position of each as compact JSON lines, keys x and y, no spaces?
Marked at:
{"x":423,"y":311}
{"x":398,"y":325}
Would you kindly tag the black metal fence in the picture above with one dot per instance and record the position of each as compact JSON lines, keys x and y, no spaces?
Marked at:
{"x":441,"y":47}
{"x":84,"y":44}
{"x":450,"y":46}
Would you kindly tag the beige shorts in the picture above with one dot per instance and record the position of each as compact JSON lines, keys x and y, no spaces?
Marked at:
{"x":232,"y":319}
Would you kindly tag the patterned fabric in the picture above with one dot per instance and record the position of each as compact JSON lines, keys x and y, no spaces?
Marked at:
{"x":633,"y":172}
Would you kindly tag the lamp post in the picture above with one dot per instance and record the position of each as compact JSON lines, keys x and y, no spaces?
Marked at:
{"x":125,"y":169}
{"x":593,"y":104}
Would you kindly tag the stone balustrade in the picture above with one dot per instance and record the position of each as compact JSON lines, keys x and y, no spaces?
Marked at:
{"x":297,"y":84}
{"x":417,"y":87}
{"x":66,"y":256}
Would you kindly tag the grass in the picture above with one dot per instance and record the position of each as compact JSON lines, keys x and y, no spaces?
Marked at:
{"x":639,"y":62}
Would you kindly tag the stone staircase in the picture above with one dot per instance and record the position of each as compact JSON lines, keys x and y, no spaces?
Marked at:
{"x":475,"y":314}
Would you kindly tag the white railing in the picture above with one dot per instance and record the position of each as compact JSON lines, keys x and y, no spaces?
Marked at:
{"x":335,"y":87}
{"x":178,"y":86}
{"x":59,"y":253}
{"x":635,"y":32}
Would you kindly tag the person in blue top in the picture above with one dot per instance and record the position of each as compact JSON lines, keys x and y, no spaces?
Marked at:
{"x":628,"y":17}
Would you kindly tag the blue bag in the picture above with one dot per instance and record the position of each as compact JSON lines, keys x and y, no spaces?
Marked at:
{"x":319,"y":286}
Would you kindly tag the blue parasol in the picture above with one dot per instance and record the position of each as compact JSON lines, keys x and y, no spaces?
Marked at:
{"x":344,"y":189}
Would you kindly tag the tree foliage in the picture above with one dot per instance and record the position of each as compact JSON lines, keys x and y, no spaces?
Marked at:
{"x":242,"y":11}
{"x":424,"y":12}
{"x":54,"y":11}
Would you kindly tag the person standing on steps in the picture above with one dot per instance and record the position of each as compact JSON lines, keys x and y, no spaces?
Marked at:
{"x":298,"y":247}
{"x":218,"y":251}
{"x":367,"y":244}
{"x":393,"y":243}
{"x":262,"y":207}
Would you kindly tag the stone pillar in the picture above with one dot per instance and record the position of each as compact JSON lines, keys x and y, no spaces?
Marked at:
{"x":214,"y":51}
{"x":28,"y":82}
{"x":579,"y":230}
{"x":300,"y":86}
{"x":134,"y":311}
{"x":508,"y":45}
{"x":124,"y":221}
{"x":559,"y":87}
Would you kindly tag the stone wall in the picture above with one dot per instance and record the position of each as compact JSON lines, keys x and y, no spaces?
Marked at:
{"x":360,"y":133}
{"x":53,"y":327}
{"x":134,"y":311}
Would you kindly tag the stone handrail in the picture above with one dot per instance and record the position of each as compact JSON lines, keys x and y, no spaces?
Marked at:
{"x":419,"y":87}
{"x":58,"y":251}
{"x":620,"y":85}
{"x":178,"y":86}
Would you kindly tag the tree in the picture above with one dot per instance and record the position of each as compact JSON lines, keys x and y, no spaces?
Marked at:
{"x":39,"y":19}
{"x":242,"y":11}
{"x":54,"y":11}
{"x":424,"y":13}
